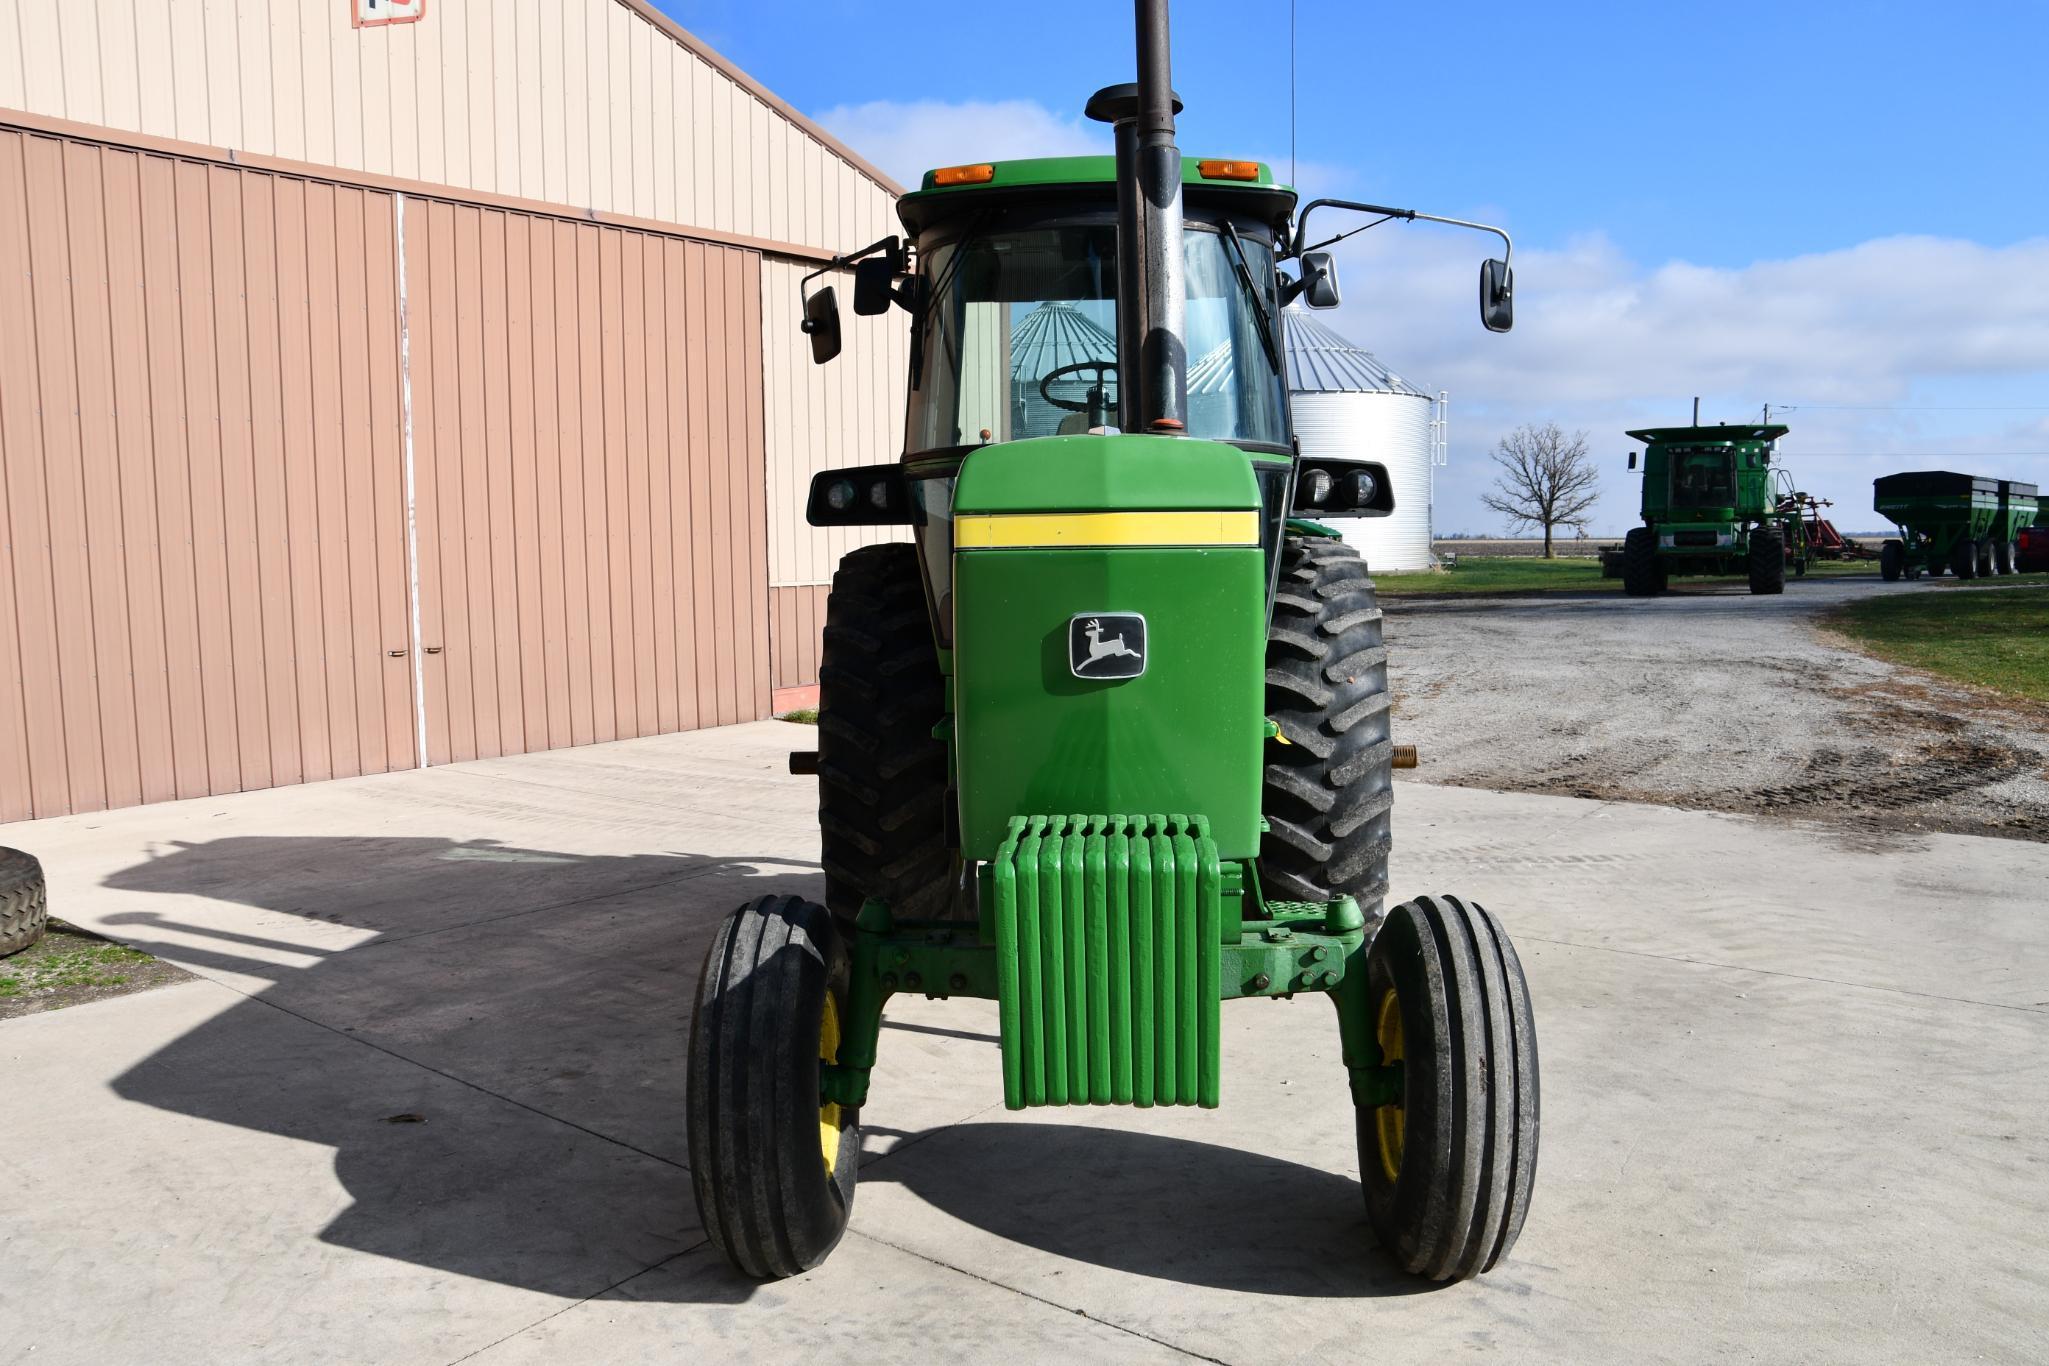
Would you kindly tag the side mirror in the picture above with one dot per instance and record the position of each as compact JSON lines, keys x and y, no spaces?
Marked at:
{"x":1497,"y":296}
{"x":874,"y":285}
{"x":822,"y":324}
{"x":1320,"y":279}
{"x":1632,"y":460}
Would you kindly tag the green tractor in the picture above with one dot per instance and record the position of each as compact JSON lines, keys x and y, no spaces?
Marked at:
{"x":1714,"y":503}
{"x":1108,"y":741}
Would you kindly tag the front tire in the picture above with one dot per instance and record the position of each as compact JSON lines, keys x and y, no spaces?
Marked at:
{"x":2004,"y":557}
{"x":1448,"y":1170}
{"x":1328,"y":791}
{"x":1892,"y":561}
{"x":1767,"y":562}
{"x":1985,"y":559}
{"x":1640,"y":576}
{"x":772,"y":1167}
{"x":881,"y":771}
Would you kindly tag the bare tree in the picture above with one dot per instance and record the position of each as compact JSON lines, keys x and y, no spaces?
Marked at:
{"x":1546,"y":480}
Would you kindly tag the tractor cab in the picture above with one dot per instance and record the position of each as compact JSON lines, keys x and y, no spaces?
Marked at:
{"x":1016,"y":304}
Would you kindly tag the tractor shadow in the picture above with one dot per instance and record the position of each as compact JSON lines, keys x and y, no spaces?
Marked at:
{"x":1174,"y":1209}
{"x":491,"y":1042}
{"x":517,"y":1115}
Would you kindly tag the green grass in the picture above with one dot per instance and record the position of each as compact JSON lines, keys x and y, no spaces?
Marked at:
{"x":803,"y":716}
{"x":1993,"y":637}
{"x":68,"y":961}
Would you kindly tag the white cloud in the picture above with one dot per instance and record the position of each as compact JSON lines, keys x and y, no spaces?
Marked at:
{"x":1606,"y":344}
{"x":908,"y":138}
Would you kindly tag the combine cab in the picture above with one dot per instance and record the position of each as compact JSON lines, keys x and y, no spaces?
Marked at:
{"x":1714,"y":503}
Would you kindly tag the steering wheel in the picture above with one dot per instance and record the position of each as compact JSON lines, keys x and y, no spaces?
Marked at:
{"x":1097,"y":400}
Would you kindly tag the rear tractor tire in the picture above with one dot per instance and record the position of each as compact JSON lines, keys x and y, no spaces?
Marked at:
{"x":773,"y":1168}
{"x":1767,"y":562}
{"x":24,"y":901}
{"x":881,"y":772}
{"x":1328,"y":790}
{"x":1892,"y":561}
{"x":1640,"y":574}
{"x":1448,"y":1169}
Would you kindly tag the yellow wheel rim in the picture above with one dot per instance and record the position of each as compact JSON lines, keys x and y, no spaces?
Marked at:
{"x":829,"y":1112}
{"x":1388,"y":1120}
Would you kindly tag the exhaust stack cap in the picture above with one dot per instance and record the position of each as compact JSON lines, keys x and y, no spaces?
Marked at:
{"x":1117,"y":102}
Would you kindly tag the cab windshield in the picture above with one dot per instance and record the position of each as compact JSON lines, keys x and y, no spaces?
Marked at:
{"x":1703,"y":476}
{"x":1022,"y":337}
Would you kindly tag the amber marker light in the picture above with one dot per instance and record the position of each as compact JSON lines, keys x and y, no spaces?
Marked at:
{"x":1228,"y":170}
{"x":964,"y":175}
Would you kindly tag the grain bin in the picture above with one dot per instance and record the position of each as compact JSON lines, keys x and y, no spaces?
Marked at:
{"x":1347,"y":403}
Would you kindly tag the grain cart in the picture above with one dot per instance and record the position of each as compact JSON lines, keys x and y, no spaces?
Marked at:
{"x":1108,"y":742}
{"x":1714,"y":503}
{"x":1964,"y":523}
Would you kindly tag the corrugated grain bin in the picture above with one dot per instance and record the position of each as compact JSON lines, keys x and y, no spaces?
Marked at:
{"x":1347,"y":403}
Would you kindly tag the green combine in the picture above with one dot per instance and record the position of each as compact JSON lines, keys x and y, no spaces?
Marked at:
{"x":1108,"y":742}
{"x":1964,"y":523}
{"x":1714,"y":503}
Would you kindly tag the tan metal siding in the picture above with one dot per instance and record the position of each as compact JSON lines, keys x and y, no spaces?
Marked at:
{"x":194,"y":364}
{"x":588,"y":451}
{"x":847,"y":412}
{"x":796,"y":626}
{"x":594,"y":103}
{"x":204,"y":580}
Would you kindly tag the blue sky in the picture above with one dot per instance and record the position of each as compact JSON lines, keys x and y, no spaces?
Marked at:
{"x":1802,"y":204}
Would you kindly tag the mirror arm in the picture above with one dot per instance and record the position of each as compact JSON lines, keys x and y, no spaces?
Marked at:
{"x":1406,"y":215}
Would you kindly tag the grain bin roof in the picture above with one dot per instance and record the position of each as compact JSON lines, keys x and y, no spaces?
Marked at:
{"x":1056,"y":334}
{"x":1322,"y":362}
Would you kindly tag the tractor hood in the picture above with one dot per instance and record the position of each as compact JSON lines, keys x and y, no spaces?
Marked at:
{"x":1109,"y":634}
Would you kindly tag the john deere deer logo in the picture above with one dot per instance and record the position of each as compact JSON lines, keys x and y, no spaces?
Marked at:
{"x":1106,"y":645}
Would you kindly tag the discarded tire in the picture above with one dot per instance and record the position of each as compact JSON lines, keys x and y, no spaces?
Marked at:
{"x":24,"y":901}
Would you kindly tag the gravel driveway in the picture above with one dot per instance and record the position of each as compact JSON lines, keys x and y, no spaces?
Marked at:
{"x":1713,"y":699}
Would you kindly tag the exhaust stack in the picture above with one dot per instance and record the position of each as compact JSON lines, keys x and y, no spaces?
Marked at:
{"x":1152,"y":355}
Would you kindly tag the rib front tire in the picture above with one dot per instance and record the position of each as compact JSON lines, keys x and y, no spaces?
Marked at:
{"x":1448,"y":1169}
{"x":773,"y":1168}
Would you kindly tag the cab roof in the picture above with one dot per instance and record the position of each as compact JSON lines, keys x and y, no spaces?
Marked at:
{"x":1721,"y":431}
{"x":1086,"y":174}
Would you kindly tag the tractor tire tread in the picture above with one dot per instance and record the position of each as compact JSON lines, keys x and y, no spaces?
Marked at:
{"x":882,"y":777}
{"x":1327,"y":789}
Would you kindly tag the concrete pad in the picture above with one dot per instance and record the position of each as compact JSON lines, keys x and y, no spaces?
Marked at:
{"x":196,"y":1178}
{"x":1795,"y":1085}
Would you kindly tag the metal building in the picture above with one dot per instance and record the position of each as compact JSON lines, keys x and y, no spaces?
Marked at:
{"x":1347,"y":403}
{"x":391,"y":382}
